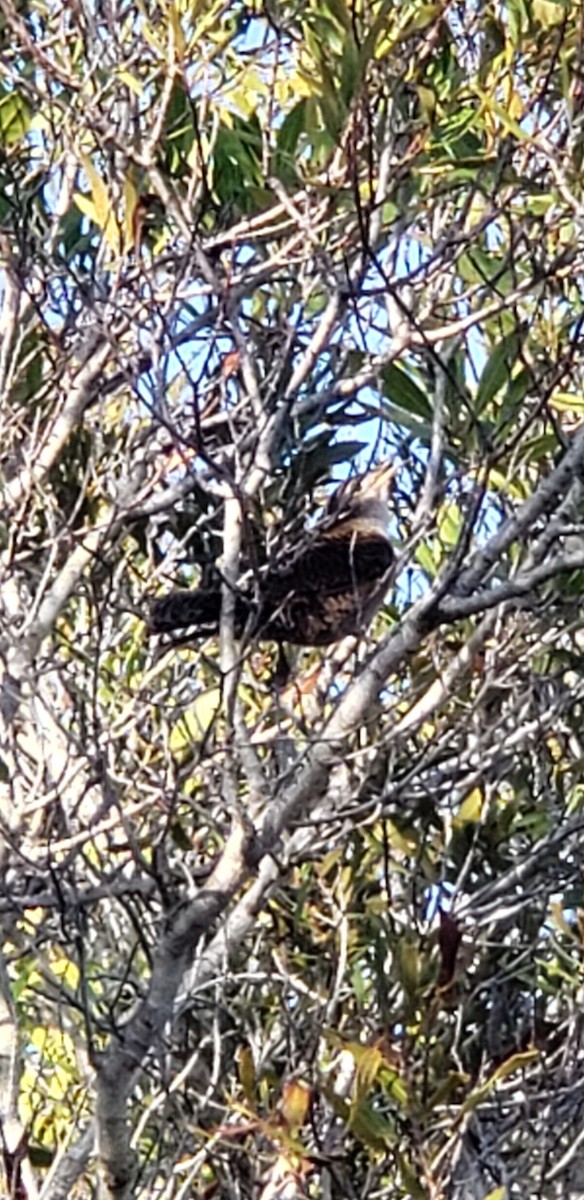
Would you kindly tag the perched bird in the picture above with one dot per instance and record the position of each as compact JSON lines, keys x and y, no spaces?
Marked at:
{"x":330,"y":587}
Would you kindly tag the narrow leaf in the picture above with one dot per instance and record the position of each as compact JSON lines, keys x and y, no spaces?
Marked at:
{"x":498,"y":370}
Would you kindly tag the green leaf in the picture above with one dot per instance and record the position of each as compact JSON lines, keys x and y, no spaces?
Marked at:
{"x":179,"y":131}
{"x":516,"y":1062}
{"x":404,"y":392}
{"x":429,"y":556}
{"x":410,"y":1179}
{"x":237,"y":167}
{"x":407,"y":962}
{"x":516,"y":392}
{"x":369,"y":1127}
{"x":450,"y":522}
{"x":477,"y":266}
{"x":350,"y":69}
{"x":379,"y":26}
{"x":40,"y":1156}
{"x":327,"y":456}
{"x":292,"y":126}
{"x":70,"y":230}
{"x":192,"y":725}
{"x":332,"y":110}
{"x":497,"y":370}
{"x":340,"y":12}
{"x":15,"y":117}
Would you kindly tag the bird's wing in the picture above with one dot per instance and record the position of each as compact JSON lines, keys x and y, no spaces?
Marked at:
{"x":332,"y":565}
{"x":331,"y":590}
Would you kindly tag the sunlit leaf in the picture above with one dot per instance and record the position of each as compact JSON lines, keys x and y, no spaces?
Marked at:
{"x":567,"y":402}
{"x":471,"y":808}
{"x":15,"y":117}
{"x":295,"y":1103}
{"x":340,"y":12}
{"x":247,"y":1074}
{"x":99,"y":206}
{"x":132,"y":82}
{"x":515,"y":1062}
{"x":450,"y":523}
{"x":193,"y":724}
{"x":549,"y":12}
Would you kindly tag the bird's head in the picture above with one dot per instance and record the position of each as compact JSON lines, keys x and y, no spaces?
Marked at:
{"x":365,"y":498}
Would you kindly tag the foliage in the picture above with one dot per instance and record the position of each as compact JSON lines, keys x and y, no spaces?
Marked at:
{"x":321,"y":938}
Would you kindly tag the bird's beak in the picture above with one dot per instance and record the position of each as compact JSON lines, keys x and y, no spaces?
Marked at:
{"x":379,"y":478}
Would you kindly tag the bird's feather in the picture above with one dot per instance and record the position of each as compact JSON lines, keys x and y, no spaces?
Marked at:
{"x":329,"y":588}
{"x":329,"y":591}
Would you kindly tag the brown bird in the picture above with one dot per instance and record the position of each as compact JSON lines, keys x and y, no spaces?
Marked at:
{"x":331,"y":587}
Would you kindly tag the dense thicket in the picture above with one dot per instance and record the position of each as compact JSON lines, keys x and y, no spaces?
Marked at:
{"x":324,"y":937}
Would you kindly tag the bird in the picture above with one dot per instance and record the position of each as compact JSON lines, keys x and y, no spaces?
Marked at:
{"x":329,"y":587}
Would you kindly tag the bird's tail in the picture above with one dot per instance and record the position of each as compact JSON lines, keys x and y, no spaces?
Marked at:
{"x":199,"y":610}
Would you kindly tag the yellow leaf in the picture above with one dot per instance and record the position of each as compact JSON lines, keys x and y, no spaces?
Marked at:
{"x":66,"y":970}
{"x":194,"y":724}
{"x":515,"y":489}
{"x":406,"y":843}
{"x":516,"y":106}
{"x":59,"y":1082}
{"x":450,"y":523}
{"x":86,"y":206}
{"x":98,"y":190}
{"x":368,"y":1062}
{"x":152,"y":37}
{"x":177,"y":40}
{"x":246,"y":1072}
{"x":295,"y":1103}
{"x":130,"y":203}
{"x":491,"y":108}
{"x":559,"y":919}
{"x":34,"y":916}
{"x":549,"y":12}
{"x":567,"y":402}
{"x":498,"y":1193}
{"x":359,"y":1053}
{"x":516,"y":1062}
{"x":131,"y":81}
{"x":104,"y":215}
{"x":470,"y":809}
